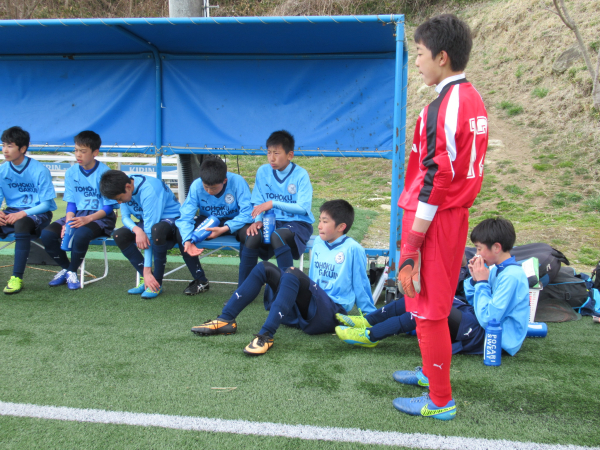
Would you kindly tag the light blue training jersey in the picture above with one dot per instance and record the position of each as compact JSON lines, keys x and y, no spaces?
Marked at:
{"x":291,"y":185}
{"x":504,"y":297}
{"x":84,"y":189}
{"x":232,"y":203}
{"x":27,"y":187}
{"x":152,"y":201}
{"x":340,"y":269}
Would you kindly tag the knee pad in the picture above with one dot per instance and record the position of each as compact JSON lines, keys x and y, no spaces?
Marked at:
{"x":24,"y":225}
{"x":124,"y":237}
{"x":160,"y":232}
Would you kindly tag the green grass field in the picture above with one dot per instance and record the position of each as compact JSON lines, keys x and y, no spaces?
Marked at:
{"x":103,"y":349}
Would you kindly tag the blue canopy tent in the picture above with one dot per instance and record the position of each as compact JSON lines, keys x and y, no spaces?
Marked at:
{"x":216,"y":85}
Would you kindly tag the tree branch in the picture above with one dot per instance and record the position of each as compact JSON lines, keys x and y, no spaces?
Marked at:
{"x":561,"y":12}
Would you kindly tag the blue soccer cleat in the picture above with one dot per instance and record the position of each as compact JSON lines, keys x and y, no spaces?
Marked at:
{"x":59,"y":278}
{"x":411,"y":377}
{"x":423,"y":406}
{"x":149,"y":293}
{"x":139,"y":289}
{"x":72,"y":281}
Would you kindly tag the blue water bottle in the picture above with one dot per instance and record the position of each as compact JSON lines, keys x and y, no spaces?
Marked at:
{"x":200,"y":233}
{"x":537,"y":329}
{"x":268,"y":226}
{"x":67,"y":242}
{"x":492,"y":348}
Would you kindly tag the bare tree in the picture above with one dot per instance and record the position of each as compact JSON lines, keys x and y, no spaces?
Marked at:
{"x":570,"y":23}
{"x":21,"y":9}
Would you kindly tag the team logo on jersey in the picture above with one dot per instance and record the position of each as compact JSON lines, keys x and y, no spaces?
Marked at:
{"x":480,"y":125}
{"x":339,"y":258}
{"x":414,"y":148}
{"x":292,"y":188}
{"x":229,"y":199}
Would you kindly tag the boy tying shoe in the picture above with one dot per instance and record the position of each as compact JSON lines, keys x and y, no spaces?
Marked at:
{"x":501,"y":293}
{"x":443,"y":178}
{"x":285,"y":187}
{"x":88,"y":213}
{"x":217,"y":192}
{"x":337,"y":281}
{"x":26,"y":185}
{"x":150,"y":201}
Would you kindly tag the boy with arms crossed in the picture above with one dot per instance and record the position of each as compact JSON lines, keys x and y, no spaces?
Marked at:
{"x":217,"y":192}
{"x":443,"y":178}
{"x":88,"y":213}
{"x":150,"y":201}
{"x":285,"y":187}
{"x":337,"y":281}
{"x":27,"y":187}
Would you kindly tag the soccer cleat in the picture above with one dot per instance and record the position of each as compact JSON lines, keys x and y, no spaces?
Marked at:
{"x":196,"y":287}
{"x":423,"y":406}
{"x":355,"y":336}
{"x":150,"y":293}
{"x":15,"y":284}
{"x":73,"y":281}
{"x":217,"y":326}
{"x":59,"y":278}
{"x":259,"y":345}
{"x":139,"y":289}
{"x":353,"y":321}
{"x":411,"y":377}
{"x":409,"y":275}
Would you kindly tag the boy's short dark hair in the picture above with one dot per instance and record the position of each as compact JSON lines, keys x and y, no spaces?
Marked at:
{"x":340,"y":211}
{"x":283,"y":138}
{"x":113,"y":183}
{"x":447,"y":32}
{"x":17,"y":136}
{"x":490,"y":231}
{"x":213,"y":171}
{"x":88,"y":139}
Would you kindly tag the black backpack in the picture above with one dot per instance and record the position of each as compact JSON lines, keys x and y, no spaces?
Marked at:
{"x":559,"y":299}
{"x":549,"y":258}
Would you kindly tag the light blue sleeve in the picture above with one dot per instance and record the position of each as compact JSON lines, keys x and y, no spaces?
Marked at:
{"x":257,"y":195}
{"x":39,"y":209}
{"x":490,"y":305}
{"x":152,"y":209}
{"x":292,"y":208}
{"x":305,"y":193}
{"x":126,"y":217}
{"x":242,"y":194}
{"x":69,"y":195}
{"x":188,"y":210}
{"x":469,"y":290}
{"x":46,"y":188}
{"x":360,"y":282}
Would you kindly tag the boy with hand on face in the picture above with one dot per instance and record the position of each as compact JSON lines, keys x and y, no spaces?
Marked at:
{"x":284,"y":187}
{"x":27,"y":187}
{"x":89,"y":214}
{"x":217,"y":192}
{"x":152,"y":202}
{"x":443,"y":178}
{"x":337,"y":281}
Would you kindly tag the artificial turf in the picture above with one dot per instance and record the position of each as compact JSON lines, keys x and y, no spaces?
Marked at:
{"x":101,"y":348}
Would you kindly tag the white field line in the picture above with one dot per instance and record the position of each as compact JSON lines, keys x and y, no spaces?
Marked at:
{"x":414,"y":440}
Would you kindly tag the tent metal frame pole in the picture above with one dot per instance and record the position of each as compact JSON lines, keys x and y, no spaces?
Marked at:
{"x":158,"y":95}
{"x":398,"y":147}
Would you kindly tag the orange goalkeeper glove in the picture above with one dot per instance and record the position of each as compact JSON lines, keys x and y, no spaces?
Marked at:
{"x":409,"y":272}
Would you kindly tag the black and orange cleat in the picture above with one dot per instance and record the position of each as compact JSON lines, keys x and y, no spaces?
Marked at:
{"x":216,"y":326}
{"x":259,"y":345}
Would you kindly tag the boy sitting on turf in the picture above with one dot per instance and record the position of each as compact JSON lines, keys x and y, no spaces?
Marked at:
{"x":27,"y":187}
{"x":153,"y":203}
{"x":217,"y":192}
{"x":88,"y":213}
{"x":501,"y":293}
{"x":337,"y":281}
{"x":443,"y":177}
{"x":285,"y":187}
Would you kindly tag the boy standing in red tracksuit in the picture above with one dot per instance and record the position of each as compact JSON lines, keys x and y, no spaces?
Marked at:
{"x":443,"y":178}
